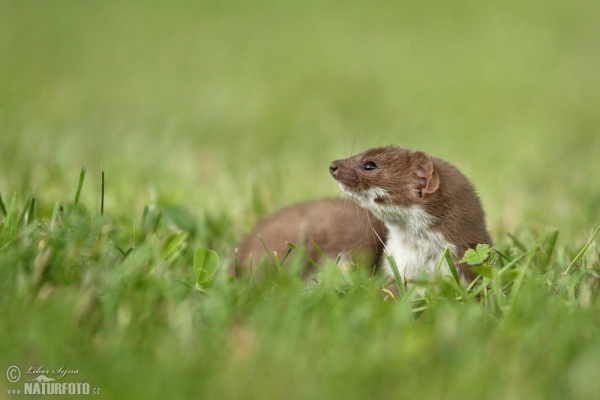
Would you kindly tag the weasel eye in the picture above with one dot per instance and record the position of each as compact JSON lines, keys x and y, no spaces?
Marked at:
{"x":370,"y":166}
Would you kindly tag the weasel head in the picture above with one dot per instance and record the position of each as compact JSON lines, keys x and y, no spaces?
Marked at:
{"x":389,"y":181}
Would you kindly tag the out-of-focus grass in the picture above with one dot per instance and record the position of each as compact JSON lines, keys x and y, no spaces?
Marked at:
{"x":132,"y":324}
{"x":214,"y":113}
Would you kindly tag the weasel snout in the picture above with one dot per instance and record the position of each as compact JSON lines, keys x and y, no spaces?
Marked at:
{"x":333,"y":168}
{"x":344,"y":172}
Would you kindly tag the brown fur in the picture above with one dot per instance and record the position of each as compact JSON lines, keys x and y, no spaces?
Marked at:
{"x":411,"y":177}
{"x":337,"y":226}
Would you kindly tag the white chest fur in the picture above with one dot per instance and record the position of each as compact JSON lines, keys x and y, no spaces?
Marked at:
{"x":412,"y":243}
{"x":415,"y":254}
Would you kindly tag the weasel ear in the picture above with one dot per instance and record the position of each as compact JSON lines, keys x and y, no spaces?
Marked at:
{"x":428,"y":179}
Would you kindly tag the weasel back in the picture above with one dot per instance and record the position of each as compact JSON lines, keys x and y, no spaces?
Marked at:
{"x":338,"y":226}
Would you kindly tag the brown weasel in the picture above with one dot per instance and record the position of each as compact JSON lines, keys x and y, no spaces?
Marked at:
{"x":337,"y":226}
{"x":426,"y":204}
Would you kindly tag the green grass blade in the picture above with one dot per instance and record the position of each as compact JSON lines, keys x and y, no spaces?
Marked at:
{"x":448,"y":257}
{"x":397,"y":277}
{"x":451,"y":265}
{"x":474,"y":289}
{"x":2,"y":206}
{"x":553,"y":236}
{"x":150,"y":220}
{"x":497,"y":290}
{"x":102,"y":196}
{"x":236,"y":263}
{"x":251,"y":268}
{"x":287,"y":253}
{"x":10,"y":223}
{"x":502,"y":255}
{"x":460,"y":291}
{"x":318,"y":249}
{"x":522,"y":272}
{"x":144,"y":224}
{"x":173,"y":245}
{"x":517,"y":259}
{"x":31,"y":211}
{"x":24,"y":217}
{"x":310,"y":260}
{"x":407,"y":295}
{"x":32,"y":208}
{"x":516,"y":242}
{"x":269,"y":253}
{"x":582,"y":251}
{"x":55,"y":216}
{"x":123,"y":252}
{"x":157,"y":221}
{"x":80,"y":185}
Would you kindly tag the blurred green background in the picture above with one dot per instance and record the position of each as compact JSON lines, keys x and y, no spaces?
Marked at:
{"x":209,"y":104}
{"x":221,"y":111}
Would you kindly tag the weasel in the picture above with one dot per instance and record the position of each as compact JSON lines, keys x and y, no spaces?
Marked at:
{"x":425,"y":202}
{"x":338,"y":227}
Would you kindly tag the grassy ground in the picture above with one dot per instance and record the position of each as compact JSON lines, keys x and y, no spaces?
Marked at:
{"x":206,"y":116}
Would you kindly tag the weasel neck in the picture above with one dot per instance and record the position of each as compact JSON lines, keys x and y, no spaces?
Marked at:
{"x":412,"y":220}
{"x":415,"y":247}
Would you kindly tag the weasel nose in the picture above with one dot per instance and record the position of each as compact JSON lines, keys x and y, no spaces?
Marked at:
{"x":333,"y":168}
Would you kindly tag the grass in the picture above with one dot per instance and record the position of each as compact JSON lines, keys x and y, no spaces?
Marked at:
{"x":196,"y":119}
{"x":133,"y":323}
